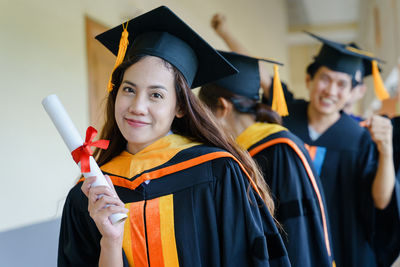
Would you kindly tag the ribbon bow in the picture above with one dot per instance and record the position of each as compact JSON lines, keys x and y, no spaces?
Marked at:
{"x":82,"y":154}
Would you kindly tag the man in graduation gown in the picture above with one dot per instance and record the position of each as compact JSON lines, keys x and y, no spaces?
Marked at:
{"x":357,"y":175}
{"x":355,"y":164}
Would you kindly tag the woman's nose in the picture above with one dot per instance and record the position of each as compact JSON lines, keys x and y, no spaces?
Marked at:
{"x":138,"y":105}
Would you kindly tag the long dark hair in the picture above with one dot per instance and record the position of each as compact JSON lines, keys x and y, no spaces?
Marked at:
{"x":210,"y":94}
{"x":197,"y":124}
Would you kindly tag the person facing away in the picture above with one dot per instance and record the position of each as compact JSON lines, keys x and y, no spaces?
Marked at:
{"x":359,"y":88}
{"x":355,"y":164}
{"x":192,"y":197}
{"x":284,"y":161}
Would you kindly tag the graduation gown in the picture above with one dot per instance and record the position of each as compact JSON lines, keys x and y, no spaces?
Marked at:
{"x":345,"y":157}
{"x":299,"y":200}
{"x":197,"y":210}
{"x":387,"y":242}
{"x":396,"y":143}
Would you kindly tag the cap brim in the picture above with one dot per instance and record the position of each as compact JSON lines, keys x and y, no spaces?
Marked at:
{"x":269,"y":60}
{"x":346,"y":48}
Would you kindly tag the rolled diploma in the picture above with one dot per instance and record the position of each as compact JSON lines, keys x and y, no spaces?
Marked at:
{"x":73,"y":140}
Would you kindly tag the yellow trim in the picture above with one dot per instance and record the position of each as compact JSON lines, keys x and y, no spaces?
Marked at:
{"x":168,"y":231}
{"x":156,"y":154}
{"x":256,"y":132}
{"x":127,"y":240}
{"x":358,"y":51}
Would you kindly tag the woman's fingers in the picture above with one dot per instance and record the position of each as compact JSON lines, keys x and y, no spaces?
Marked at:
{"x":87,"y":184}
{"x":105,"y":202}
{"x":110,"y":183}
{"x":97,"y":191}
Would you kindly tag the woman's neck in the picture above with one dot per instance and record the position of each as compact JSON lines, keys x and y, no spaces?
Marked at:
{"x":240,"y":122}
{"x":134,"y":148}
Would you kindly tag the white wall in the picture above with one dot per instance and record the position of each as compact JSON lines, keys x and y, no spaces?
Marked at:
{"x":43,"y":51}
{"x":388,"y":49}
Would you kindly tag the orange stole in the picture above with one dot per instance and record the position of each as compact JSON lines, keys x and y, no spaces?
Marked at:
{"x":155,"y":218}
{"x":284,"y":140}
{"x":312,"y":150}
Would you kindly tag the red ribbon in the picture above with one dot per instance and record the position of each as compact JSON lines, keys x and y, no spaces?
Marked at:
{"x":83,"y":153}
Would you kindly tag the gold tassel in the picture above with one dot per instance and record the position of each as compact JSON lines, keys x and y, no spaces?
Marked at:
{"x":278,"y":99}
{"x":379,"y":87}
{"x":123,"y":45}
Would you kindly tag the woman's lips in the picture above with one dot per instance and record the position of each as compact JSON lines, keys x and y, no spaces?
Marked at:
{"x":136,"y":123}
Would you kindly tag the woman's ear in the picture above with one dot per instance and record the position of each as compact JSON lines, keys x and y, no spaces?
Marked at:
{"x":179,"y":112}
{"x":224,"y":108}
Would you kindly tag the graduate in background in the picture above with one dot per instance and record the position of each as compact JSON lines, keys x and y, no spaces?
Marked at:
{"x":297,"y":192}
{"x":386,"y":243}
{"x":193,"y":197}
{"x":359,"y":89}
{"x":357,"y":176}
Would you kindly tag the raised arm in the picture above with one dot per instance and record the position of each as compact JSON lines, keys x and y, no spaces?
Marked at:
{"x":219,"y":24}
{"x":384,"y":181}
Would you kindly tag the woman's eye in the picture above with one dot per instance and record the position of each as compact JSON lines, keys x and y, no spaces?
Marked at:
{"x":157,"y":95}
{"x":128,"y":89}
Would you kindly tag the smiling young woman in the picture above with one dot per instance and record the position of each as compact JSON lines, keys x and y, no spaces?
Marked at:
{"x":193,"y":197}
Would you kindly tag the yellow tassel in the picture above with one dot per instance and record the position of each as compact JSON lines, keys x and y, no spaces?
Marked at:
{"x":278,"y":99}
{"x":380,"y":90}
{"x":123,"y":45}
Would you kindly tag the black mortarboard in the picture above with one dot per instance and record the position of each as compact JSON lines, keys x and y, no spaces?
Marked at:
{"x":348,"y":58}
{"x":247,"y":81}
{"x":161,"y":33}
{"x":366,"y":66}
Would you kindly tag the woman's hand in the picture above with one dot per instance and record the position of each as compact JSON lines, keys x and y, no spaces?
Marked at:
{"x":104,"y":201}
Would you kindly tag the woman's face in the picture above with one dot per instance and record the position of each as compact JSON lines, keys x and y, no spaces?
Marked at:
{"x":146,"y":103}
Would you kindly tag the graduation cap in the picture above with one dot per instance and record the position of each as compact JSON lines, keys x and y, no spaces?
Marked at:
{"x":163,"y":34}
{"x":247,"y":81}
{"x":348,"y":58}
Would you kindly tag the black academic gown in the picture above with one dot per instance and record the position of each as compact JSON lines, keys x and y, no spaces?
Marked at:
{"x":396,"y":143}
{"x":387,"y":242}
{"x":197,"y":210}
{"x":346,"y":159}
{"x":297,"y":192}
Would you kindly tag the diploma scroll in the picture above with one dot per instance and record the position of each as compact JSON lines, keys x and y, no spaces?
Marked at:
{"x":73,"y":140}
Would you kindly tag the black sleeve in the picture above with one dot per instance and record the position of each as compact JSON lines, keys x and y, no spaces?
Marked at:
{"x":368,"y":162}
{"x":79,"y":242}
{"x":243,"y":219}
{"x":396,"y":144}
{"x":387,"y":230}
